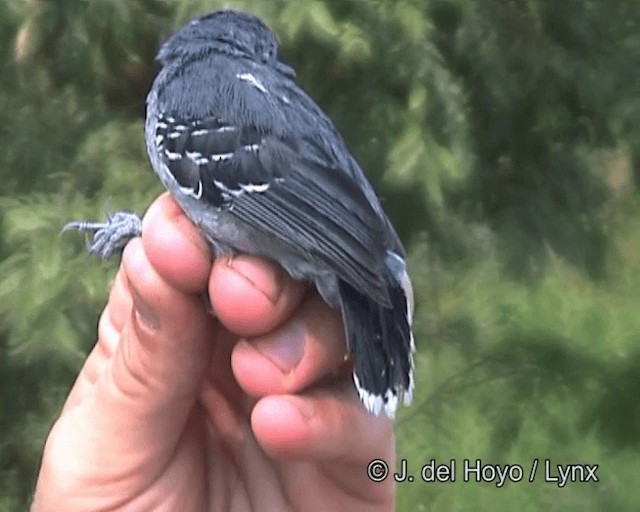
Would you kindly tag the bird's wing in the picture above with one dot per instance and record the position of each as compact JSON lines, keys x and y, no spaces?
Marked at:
{"x":257,"y":146}
{"x":318,"y":211}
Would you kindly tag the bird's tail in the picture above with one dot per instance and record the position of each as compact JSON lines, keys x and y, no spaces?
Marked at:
{"x":381,"y":344}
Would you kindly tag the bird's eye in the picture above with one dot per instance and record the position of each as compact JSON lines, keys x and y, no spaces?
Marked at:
{"x":268,"y":54}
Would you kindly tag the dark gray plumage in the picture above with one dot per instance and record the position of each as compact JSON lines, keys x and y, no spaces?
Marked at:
{"x":256,"y":164}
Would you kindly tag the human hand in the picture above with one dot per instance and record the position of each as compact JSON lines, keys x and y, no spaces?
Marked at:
{"x":177,"y":410}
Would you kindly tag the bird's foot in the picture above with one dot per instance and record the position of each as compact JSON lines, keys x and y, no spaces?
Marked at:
{"x":111,"y":236}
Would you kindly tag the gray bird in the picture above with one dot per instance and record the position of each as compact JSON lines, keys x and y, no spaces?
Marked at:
{"x":261,"y":169}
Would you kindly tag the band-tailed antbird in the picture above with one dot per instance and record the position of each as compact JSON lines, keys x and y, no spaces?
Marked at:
{"x":260,"y":169}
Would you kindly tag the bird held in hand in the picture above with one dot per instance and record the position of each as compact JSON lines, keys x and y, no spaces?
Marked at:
{"x":260,"y":169}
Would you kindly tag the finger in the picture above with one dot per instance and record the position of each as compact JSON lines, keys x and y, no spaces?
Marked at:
{"x":319,"y":426}
{"x":158,"y":364}
{"x":301,"y":352}
{"x":251,"y":296}
{"x":175,"y":246}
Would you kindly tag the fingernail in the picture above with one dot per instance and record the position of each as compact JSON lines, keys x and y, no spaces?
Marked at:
{"x":285,"y":347}
{"x":264,"y":276}
{"x":145,"y":314}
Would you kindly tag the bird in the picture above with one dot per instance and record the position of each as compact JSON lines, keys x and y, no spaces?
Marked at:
{"x":257,"y":165}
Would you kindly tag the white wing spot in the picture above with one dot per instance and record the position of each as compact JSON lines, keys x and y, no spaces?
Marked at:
{"x":192,"y":191}
{"x":172,"y":156}
{"x":255,"y":187}
{"x":221,"y":156}
{"x":221,"y":185}
{"x":248,"y":77}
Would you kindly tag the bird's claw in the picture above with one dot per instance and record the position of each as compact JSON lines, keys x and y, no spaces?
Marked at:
{"x":111,"y":236}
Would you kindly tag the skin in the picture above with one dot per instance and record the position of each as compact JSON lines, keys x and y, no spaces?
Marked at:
{"x":176,"y":409}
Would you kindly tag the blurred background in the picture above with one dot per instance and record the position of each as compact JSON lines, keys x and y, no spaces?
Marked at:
{"x":503,"y":137}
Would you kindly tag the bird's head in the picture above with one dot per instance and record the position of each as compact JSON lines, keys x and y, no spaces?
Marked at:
{"x":228,"y":31}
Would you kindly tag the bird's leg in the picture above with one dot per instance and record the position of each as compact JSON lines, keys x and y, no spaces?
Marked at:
{"x":111,"y":236}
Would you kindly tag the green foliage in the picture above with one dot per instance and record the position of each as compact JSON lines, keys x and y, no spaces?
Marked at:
{"x":518,"y":372}
{"x":546,"y":77}
{"x":503,"y":138}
